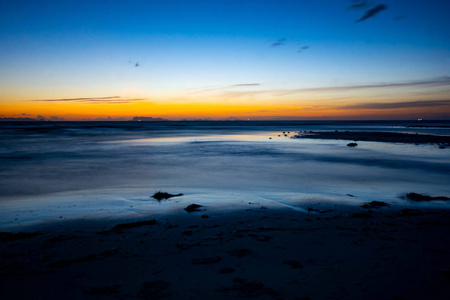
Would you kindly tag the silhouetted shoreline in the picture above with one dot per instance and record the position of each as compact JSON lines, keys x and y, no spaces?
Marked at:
{"x":371,"y":136}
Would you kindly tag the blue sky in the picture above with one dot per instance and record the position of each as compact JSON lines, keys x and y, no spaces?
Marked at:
{"x":85,"y":49}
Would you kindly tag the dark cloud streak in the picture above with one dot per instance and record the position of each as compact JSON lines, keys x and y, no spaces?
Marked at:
{"x":372,"y":12}
{"x":245,"y":84}
{"x":108,"y":100}
{"x":359,"y":5}
{"x":394,"y":105}
{"x":279,"y":42}
{"x":442,"y":81}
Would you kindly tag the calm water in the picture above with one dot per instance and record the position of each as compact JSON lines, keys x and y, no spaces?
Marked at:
{"x":68,"y":170}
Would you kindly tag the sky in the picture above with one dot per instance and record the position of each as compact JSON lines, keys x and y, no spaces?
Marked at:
{"x":225,"y":59}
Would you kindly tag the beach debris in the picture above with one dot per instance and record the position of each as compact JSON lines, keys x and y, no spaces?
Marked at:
{"x":419,"y":197}
{"x":350,"y":195}
{"x":226,"y":270}
{"x":375,"y":204}
{"x":240,"y":252}
{"x":310,"y":209}
{"x":163,"y":195}
{"x":155,"y":289}
{"x":119,"y":227}
{"x":134,"y":224}
{"x":243,"y":288}
{"x":12,"y":236}
{"x":352,"y":144}
{"x":193,"y":207}
{"x":206,"y":260}
{"x":293,"y":263}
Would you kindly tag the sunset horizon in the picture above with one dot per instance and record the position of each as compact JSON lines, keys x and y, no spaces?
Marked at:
{"x":240,"y":59}
{"x":225,"y":149}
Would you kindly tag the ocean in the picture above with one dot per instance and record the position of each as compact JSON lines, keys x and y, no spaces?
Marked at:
{"x":54,"y":171}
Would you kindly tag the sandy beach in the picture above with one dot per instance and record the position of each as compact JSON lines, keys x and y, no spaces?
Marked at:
{"x":376,"y":252}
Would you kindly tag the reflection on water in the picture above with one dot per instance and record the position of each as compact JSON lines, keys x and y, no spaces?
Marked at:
{"x":110,"y":169}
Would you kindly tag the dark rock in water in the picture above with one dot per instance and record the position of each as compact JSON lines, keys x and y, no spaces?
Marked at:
{"x":134,"y":224}
{"x":352,"y":144}
{"x":193,"y":207}
{"x":375,"y":204}
{"x":419,"y":197}
{"x":310,"y":209}
{"x":163,"y":195}
{"x":205,"y":216}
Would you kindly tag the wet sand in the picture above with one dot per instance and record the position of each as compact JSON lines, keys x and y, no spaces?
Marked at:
{"x":377,"y":252}
{"x":376,"y":136}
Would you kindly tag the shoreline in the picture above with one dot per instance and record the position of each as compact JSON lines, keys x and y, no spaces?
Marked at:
{"x":342,"y":252}
{"x":377,"y":136}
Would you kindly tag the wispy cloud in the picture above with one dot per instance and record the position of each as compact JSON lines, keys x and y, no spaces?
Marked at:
{"x":359,"y":4}
{"x":394,"y":105}
{"x":442,"y":81}
{"x":245,"y":84}
{"x":255,"y":89}
{"x":223,"y":88}
{"x":98,"y":100}
{"x":279,"y":42}
{"x":372,"y":12}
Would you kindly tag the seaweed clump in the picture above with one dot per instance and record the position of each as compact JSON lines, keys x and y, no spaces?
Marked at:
{"x":419,"y":197}
{"x":163,"y":195}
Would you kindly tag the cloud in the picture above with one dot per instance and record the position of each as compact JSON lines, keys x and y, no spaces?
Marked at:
{"x":232,"y":91}
{"x":303,"y":49}
{"x":279,"y":42}
{"x":55,"y":118}
{"x":359,"y":4}
{"x":98,"y":100}
{"x":394,"y":105}
{"x":245,"y":84}
{"x":372,"y":12}
{"x":441,"y":81}
{"x":223,"y":88}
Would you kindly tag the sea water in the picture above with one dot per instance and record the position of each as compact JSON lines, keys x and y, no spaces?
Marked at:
{"x":70,"y":170}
